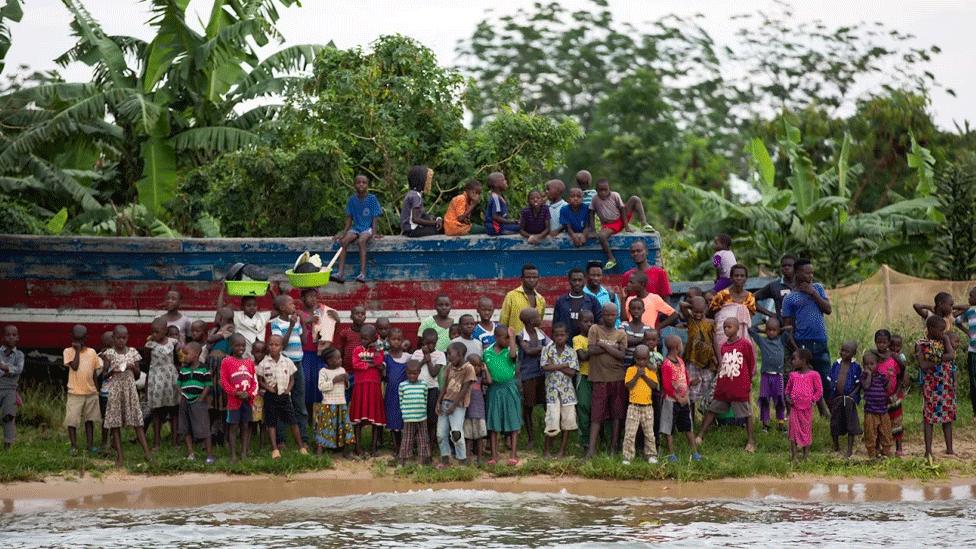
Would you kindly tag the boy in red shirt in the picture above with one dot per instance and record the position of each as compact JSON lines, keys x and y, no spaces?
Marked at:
{"x":240,"y":384}
{"x":733,"y":386}
{"x":676,"y":407}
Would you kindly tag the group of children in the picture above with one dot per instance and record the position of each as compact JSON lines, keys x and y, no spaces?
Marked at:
{"x":584,"y":213}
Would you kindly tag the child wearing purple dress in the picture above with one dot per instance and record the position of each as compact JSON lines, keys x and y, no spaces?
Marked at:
{"x":534,"y":221}
{"x":802,"y":390}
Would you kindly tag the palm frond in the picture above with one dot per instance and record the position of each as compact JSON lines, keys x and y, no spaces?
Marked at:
{"x":215,"y":139}
{"x":111,"y":60}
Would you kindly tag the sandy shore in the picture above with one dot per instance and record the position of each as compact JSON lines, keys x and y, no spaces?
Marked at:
{"x":120,"y":490}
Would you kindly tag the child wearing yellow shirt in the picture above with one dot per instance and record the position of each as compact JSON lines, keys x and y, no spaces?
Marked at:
{"x":641,"y":379}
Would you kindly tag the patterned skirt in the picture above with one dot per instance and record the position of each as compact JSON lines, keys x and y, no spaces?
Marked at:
{"x":332,"y":426}
{"x":162,"y":388}
{"x":939,"y":394}
{"x":123,"y":408}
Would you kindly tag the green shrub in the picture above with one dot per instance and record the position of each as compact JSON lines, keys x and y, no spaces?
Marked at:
{"x":43,"y":407}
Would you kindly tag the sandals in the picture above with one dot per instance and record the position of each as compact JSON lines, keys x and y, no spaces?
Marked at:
{"x":647,"y":228}
{"x":609,"y":265}
{"x":275,"y":454}
{"x":512,"y":462}
{"x":491,"y":462}
{"x":361,"y":278}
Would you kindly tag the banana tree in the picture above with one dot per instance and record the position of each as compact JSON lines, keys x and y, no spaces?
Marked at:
{"x":152,"y":108}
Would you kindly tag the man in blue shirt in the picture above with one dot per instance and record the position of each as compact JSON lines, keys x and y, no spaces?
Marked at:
{"x":803,"y":310}
{"x":362,"y":212}
{"x":569,"y":306}
{"x":595,"y":289}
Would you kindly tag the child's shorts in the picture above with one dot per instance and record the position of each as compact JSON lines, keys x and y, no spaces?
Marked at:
{"x":80,"y":409}
{"x":533,"y":391}
{"x":475,"y":428}
{"x":194,"y":419}
{"x":559,"y":418}
{"x":617,"y":225}
{"x":240,"y":415}
{"x":674,"y":417}
{"x":843,"y":417}
{"x":278,"y":408}
{"x":739,"y":409}
{"x":609,"y":401}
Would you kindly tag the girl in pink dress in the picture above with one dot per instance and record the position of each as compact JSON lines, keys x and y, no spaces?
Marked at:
{"x":803,"y":390}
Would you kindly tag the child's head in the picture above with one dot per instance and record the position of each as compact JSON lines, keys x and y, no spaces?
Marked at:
{"x":310,"y":298}
{"x":173,"y":332}
{"x":383,"y":328}
{"x":396,"y":339}
{"x":652,"y":339}
{"x":583,"y":179}
{"x":896,"y":343}
{"x":943,"y":303}
{"x":358,"y":316}
{"x":225,"y":316}
{"x":530,"y":317}
{"x":698,"y":307}
{"x":635,"y":307}
{"x":275,"y":344}
{"x":773,"y":329}
{"x":501,"y":336}
{"x":637,"y":285}
{"x":739,"y":275}
{"x":694,"y":292}
{"x":238,"y":345}
{"x":972,"y":296}
{"x":120,"y":336}
{"x":191,"y":352}
{"x":584,"y":321}
{"x":466,"y":324}
{"x":455,"y":353}
{"x":882,"y":340}
{"x":609,"y":317}
{"x":473,"y":190}
{"x":530,"y":277}
{"x":367,"y":334}
{"x":935,"y":326}
{"x":709,"y":295}
{"x":497,"y":182}
{"x":486,"y":308}
{"x":108,"y":339}
{"x":474,"y":359}
{"x":443,"y":306}
{"x":332,"y":358}
{"x":801,"y":359}
{"x":847,"y":350}
{"x":428,"y":340}
{"x":454,"y":330}
{"x":554,"y":190}
{"x":172,"y":301}
{"x":603,"y":189}
{"x":260,"y":350}
{"x":575,"y":198}
{"x":413,"y":370}
{"x":284,"y":305}
{"x":642,"y":355}
{"x":159,"y":331}
{"x":79,"y":333}
{"x":673,"y":343}
{"x":535,"y":198}
{"x":787,"y":265}
{"x":870,"y":361}
{"x":731,"y":328}
{"x":249,"y":304}
{"x":361,"y":184}
{"x":417,"y":178}
{"x":560,"y":334}
{"x":722,"y":242}
{"x":198,"y":331}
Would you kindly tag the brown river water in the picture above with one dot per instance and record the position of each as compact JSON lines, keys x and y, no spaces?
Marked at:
{"x":311,"y":511}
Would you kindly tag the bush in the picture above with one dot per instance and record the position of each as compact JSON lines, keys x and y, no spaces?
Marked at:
{"x":17,"y":217}
{"x":43,"y":407}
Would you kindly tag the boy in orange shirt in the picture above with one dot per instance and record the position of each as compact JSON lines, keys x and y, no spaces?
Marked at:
{"x":457,"y":219}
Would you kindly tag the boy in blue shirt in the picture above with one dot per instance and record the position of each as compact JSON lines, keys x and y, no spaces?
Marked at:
{"x":574,"y":218}
{"x":362,"y":212}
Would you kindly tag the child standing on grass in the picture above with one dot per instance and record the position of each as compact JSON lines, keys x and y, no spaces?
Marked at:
{"x":888,"y":365}
{"x":803,"y":390}
{"x":504,"y":411}
{"x":431,"y":362}
{"x":475,"y":426}
{"x":457,"y":218}
{"x":895,"y":403}
{"x":122,"y":410}
{"x":173,"y":316}
{"x":534,"y":221}
{"x":531,"y":342}
{"x":723,"y":261}
{"x":700,"y":354}
{"x":194,"y":416}
{"x":484,"y":330}
{"x":560,"y":363}
{"x":584,"y":389}
{"x":276,"y":376}
{"x":844,"y":391}
{"x":734,"y":383}
{"x":877,"y":424}
{"x":240,"y":384}
{"x":413,"y":404}
{"x":574,"y":218}
{"x":440,"y":322}
{"x":367,"y":394}
{"x":257,"y":425}
{"x":497,"y":222}
{"x":162,"y":388}
{"x":81,"y":406}
{"x":635,"y":329}
{"x":607,"y":347}
{"x":363,"y":211}
{"x":288,"y":325}
{"x":466,"y":337}
{"x":614,"y":216}
{"x":772,"y":347}
{"x":641,"y":379}
{"x":676,"y":406}
{"x":453,"y":404}
{"x":333,"y":428}
{"x":935,"y":356}
{"x":396,"y":372}
{"x":966,"y":321}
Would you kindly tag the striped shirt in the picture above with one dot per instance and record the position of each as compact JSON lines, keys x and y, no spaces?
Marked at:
{"x":193,"y":380}
{"x":293,"y":347}
{"x":967,"y":319}
{"x":413,"y":401}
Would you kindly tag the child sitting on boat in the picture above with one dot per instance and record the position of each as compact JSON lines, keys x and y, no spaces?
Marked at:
{"x":362,"y":215}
